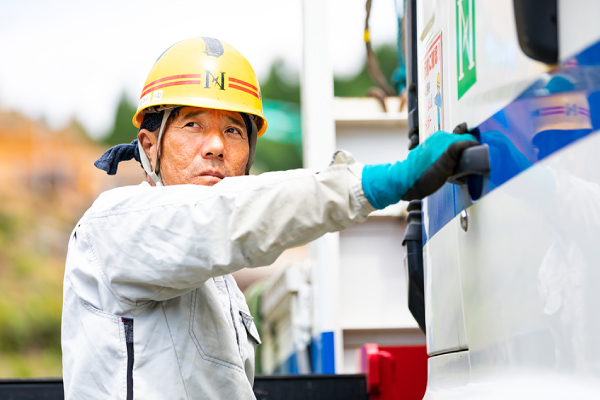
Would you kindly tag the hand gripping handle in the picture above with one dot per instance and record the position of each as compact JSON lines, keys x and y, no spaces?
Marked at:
{"x":473,"y":161}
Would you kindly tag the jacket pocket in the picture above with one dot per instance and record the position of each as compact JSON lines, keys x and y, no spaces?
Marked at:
{"x":211,"y":330}
{"x":93,"y":332}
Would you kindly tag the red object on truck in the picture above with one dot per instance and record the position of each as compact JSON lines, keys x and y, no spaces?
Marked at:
{"x":394,"y":372}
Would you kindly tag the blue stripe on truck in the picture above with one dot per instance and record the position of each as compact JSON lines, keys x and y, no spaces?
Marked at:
{"x":517,"y":139}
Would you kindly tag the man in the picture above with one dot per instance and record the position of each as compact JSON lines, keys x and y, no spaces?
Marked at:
{"x":150,"y":310}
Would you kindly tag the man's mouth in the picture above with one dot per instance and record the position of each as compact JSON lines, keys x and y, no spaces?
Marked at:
{"x":216,"y":174}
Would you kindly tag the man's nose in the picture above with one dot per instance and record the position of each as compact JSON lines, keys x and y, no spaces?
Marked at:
{"x":213,"y":146}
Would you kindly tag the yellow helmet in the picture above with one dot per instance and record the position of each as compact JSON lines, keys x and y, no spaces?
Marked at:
{"x":202,"y":72}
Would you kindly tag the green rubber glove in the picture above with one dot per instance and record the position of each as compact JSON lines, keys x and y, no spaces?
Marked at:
{"x":424,"y":171}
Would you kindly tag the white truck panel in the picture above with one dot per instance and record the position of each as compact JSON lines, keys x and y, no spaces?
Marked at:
{"x":577,"y":26}
{"x":528,"y":268}
{"x":443,"y":295}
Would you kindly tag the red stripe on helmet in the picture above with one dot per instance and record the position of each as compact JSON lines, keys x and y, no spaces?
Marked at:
{"x":169,"y":78}
{"x":243,"y":89}
{"x":176,"y":83}
{"x":243,"y":83}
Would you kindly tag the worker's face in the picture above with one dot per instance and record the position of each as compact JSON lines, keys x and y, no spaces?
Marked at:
{"x":200,"y":146}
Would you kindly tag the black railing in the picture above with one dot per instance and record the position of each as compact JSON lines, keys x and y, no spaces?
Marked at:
{"x":276,"y":387}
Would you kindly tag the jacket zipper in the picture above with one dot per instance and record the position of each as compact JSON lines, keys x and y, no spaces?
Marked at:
{"x":128,"y":326}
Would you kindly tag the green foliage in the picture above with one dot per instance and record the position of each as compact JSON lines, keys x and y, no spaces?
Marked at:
{"x":34,"y":324}
{"x":277,"y":87}
{"x":357,"y":85}
{"x":123,"y":130}
{"x":275,"y":156}
{"x":281,"y":146}
{"x":31,"y":301}
{"x":8,"y":226}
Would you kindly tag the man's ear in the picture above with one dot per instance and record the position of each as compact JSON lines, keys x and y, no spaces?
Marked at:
{"x":148,"y":141}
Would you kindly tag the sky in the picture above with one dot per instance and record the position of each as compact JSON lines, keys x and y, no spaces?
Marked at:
{"x":62,"y":59}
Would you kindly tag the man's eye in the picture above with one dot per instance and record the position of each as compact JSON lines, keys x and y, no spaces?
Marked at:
{"x":234,"y":130}
{"x":193,"y":124}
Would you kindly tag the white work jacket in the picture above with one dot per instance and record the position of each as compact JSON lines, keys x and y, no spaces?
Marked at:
{"x":150,"y":310}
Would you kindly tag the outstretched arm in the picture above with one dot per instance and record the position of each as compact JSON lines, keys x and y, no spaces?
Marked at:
{"x":160,"y":242}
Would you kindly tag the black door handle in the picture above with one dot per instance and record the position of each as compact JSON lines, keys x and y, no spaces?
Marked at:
{"x":473,"y":161}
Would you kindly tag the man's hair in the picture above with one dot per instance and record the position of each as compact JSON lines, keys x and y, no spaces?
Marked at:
{"x":153,"y":120}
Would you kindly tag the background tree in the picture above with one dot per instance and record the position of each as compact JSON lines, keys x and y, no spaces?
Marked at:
{"x":123,"y":130}
{"x":357,"y":85}
{"x":279,"y":86}
{"x":274,"y":154}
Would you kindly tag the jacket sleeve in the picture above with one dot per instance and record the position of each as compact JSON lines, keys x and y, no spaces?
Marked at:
{"x":156,"y":243}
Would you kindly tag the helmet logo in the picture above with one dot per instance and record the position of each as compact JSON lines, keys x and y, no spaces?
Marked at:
{"x":218,"y":80}
{"x":213,"y":47}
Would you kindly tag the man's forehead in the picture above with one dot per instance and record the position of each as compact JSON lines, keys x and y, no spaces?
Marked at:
{"x":193,"y":112}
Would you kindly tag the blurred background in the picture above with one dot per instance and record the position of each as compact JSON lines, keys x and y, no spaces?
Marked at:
{"x":70,"y":77}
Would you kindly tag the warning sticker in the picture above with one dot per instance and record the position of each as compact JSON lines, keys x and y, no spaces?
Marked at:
{"x":157,"y":95}
{"x":432,"y":88}
{"x":144,"y":100}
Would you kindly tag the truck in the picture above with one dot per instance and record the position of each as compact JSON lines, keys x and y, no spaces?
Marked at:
{"x":504,"y":280}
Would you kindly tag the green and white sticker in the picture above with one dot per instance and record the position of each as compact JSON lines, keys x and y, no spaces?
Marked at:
{"x":466,"y":67}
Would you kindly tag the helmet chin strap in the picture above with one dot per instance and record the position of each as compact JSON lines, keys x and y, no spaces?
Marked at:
{"x":252,"y":146}
{"x":155,"y":174}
